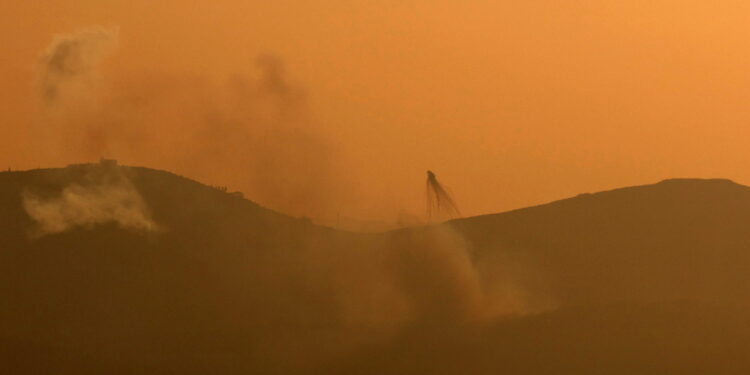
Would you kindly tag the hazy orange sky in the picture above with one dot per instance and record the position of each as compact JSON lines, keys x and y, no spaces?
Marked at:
{"x":511,"y":103}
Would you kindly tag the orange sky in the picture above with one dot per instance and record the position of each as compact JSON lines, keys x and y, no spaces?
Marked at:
{"x":511,"y":103}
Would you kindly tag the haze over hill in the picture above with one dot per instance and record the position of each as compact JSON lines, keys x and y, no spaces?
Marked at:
{"x":512,"y":103}
{"x":110,"y":269}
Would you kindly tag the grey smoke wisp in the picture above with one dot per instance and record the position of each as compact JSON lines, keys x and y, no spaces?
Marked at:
{"x":253,"y":131}
{"x":70,"y":61}
{"x":440,"y":203}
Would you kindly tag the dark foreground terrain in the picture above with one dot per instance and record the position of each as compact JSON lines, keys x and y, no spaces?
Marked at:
{"x":169,"y":276}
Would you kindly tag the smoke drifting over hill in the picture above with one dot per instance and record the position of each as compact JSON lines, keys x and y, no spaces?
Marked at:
{"x":250,"y":132}
{"x":71,"y":62}
{"x":334,"y":110}
{"x":280,"y":292}
{"x":106,"y":196}
{"x":234,"y":288}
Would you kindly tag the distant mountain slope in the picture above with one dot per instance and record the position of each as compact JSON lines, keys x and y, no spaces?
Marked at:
{"x":680,"y":238}
{"x":624,"y":281}
{"x":175,"y":201}
{"x":103,"y":290}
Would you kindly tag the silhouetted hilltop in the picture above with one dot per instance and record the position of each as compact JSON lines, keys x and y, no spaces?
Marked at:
{"x":680,"y":238}
{"x":174,"y":200}
{"x":107,"y":269}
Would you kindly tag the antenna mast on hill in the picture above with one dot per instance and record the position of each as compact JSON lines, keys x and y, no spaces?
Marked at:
{"x":439,"y":200}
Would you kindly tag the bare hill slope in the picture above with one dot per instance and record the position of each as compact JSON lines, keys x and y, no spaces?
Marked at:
{"x":108,"y":269}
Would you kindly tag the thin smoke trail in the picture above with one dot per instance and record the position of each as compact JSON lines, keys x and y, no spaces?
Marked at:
{"x":439,"y":200}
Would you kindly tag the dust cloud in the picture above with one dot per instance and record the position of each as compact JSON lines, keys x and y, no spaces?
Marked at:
{"x":252,"y":131}
{"x":256,"y":132}
{"x":352,"y":293}
{"x":107,"y":196}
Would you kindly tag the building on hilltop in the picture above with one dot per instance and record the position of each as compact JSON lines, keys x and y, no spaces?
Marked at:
{"x":108,"y":162}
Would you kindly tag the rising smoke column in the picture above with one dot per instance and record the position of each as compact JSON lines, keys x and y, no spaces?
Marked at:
{"x":74,"y":122}
{"x":439,"y":201}
{"x":253,"y":131}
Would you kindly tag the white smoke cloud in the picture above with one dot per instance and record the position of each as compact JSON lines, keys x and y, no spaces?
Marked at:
{"x":107,"y":198}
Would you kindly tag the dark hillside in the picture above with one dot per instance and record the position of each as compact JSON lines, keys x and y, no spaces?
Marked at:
{"x":166,"y":275}
{"x":681,"y":238}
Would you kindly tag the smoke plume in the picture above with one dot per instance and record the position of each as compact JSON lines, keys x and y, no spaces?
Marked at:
{"x":71,"y":61}
{"x":108,"y":196}
{"x":254,"y":131}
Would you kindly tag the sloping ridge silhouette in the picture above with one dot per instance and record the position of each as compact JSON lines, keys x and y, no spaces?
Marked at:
{"x":646,"y":279}
{"x":681,"y":238}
